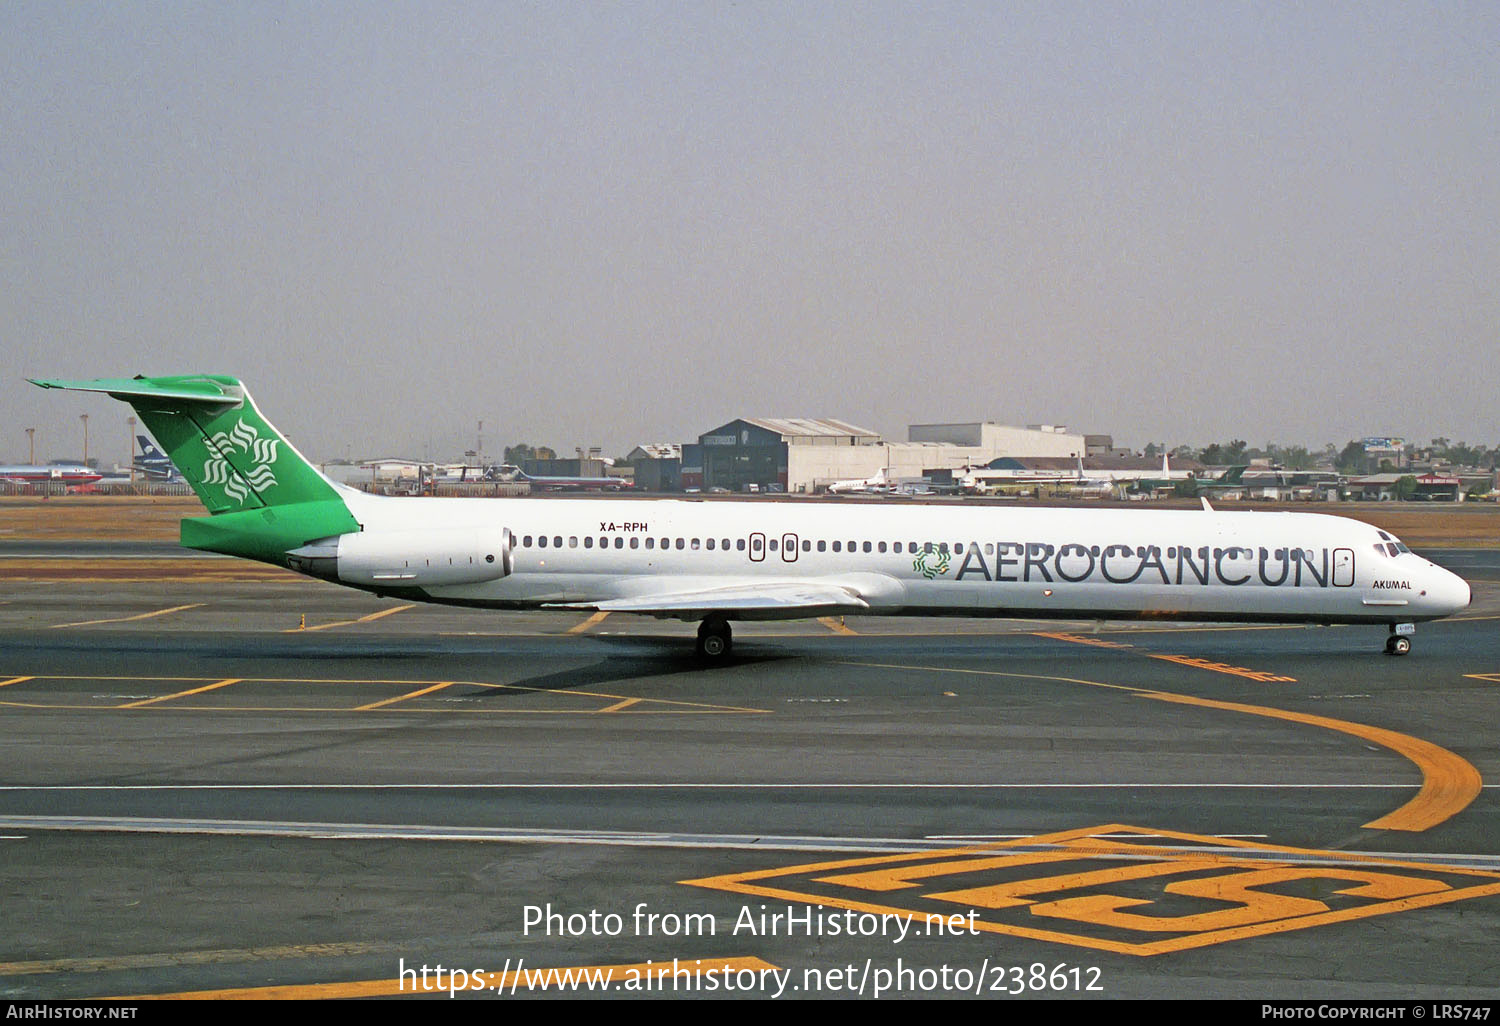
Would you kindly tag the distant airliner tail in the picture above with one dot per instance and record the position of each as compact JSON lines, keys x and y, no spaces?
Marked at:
{"x":149,"y":451}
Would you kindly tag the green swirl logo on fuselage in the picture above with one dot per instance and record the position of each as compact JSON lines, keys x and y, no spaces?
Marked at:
{"x":938,"y":558}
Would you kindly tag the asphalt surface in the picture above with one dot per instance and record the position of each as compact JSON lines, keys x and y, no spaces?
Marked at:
{"x":214,"y":784}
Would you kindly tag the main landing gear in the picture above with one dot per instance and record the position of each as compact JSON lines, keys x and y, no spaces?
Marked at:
{"x":1399,"y":643}
{"x":715,"y":640}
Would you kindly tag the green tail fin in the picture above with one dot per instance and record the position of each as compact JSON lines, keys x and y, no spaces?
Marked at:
{"x":228,"y":452}
{"x":237,"y":463}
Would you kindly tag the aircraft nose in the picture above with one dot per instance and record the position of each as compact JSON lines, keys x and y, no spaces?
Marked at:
{"x":1450,"y":592}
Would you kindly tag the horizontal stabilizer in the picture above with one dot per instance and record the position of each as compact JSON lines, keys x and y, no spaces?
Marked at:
{"x":210,"y":391}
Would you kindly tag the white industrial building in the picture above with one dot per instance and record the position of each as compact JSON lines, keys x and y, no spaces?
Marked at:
{"x":808,"y":455}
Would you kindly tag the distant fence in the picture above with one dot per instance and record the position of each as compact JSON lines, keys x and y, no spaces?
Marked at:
{"x":122,"y":488}
{"x":467,"y":489}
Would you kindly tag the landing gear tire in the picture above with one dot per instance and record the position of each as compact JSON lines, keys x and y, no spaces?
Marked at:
{"x":715,"y":640}
{"x":1397,"y":645}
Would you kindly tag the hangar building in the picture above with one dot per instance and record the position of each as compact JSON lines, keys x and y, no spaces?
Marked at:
{"x":807,"y":455}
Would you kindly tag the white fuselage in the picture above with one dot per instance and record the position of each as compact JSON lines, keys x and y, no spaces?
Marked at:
{"x":920,"y":560}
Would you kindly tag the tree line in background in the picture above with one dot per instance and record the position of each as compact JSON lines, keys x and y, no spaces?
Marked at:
{"x":1348,"y":460}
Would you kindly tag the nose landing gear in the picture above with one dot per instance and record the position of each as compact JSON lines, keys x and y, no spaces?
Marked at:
{"x":1399,"y":642}
{"x":715,"y":640}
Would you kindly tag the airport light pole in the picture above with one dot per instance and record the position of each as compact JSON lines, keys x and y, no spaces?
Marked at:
{"x":130,"y":446}
{"x":31,"y":446}
{"x":85,"y":418}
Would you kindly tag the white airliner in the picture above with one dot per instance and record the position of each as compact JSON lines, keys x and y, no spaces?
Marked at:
{"x":715,"y":562}
{"x":70,"y":474}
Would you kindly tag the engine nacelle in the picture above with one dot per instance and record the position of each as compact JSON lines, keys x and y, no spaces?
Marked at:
{"x":409,"y":558}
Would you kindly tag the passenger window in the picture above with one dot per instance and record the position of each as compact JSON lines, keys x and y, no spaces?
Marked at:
{"x":772,"y":544}
{"x":650,"y":543}
{"x":557,"y":541}
{"x":635,"y":543}
{"x":695,"y":544}
{"x":739,"y":544}
{"x":526,"y":542}
{"x":682,"y":543}
{"x":880,"y":547}
{"x":822,"y":546}
{"x":896,"y":548}
{"x":710,"y":545}
{"x":867,"y":546}
{"x":588,"y":543}
{"x":806,"y":546}
{"x":573,"y":541}
{"x":838,"y":546}
{"x":619,"y":543}
{"x":724,"y":544}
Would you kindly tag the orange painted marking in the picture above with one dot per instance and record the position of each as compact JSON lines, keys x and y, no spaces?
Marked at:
{"x":1108,"y":888}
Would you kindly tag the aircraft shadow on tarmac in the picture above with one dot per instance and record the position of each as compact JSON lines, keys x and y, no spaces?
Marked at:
{"x":483,"y":660}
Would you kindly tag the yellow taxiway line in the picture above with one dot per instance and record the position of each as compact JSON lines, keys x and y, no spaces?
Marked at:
{"x":1450,"y":783}
{"x":351,"y":623}
{"x":592,"y":621}
{"x":401,"y":698}
{"x":127,"y":619}
{"x":180,"y":694}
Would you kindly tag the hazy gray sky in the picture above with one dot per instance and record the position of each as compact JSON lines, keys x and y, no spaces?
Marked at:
{"x":601,"y":224}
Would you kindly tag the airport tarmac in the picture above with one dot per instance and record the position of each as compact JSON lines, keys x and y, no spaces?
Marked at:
{"x":222,"y":777}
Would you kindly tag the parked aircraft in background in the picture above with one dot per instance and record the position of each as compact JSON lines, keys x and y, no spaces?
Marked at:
{"x":154,"y":463}
{"x":1143,"y":485}
{"x":573,"y":484}
{"x":1230,"y":480}
{"x":715,"y":562}
{"x":878,"y":482}
{"x":69,"y":474}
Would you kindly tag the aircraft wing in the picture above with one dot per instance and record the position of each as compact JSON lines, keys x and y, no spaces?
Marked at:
{"x":772,"y":600}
